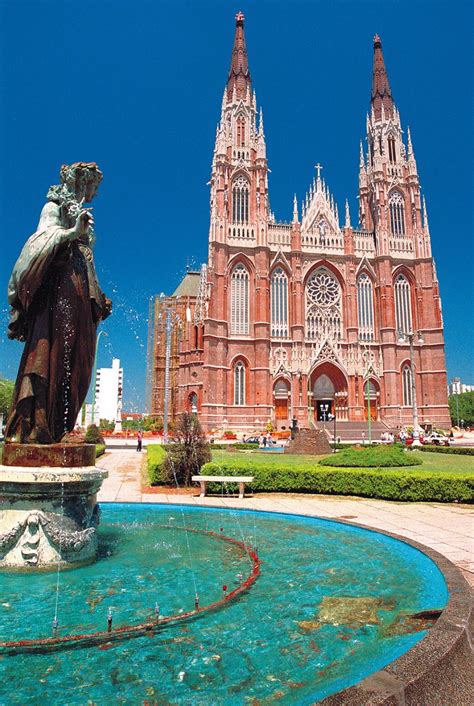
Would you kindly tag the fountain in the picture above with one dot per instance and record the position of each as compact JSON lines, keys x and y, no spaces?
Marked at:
{"x":48,"y":484}
{"x":333,"y":602}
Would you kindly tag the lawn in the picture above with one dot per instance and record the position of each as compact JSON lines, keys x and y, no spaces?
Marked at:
{"x":432,"y":462}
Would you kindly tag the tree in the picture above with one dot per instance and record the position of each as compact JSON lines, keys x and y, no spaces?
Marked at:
{"x":465,"y":404}
{"x":188,"y":452}
{"x":6,"y":395}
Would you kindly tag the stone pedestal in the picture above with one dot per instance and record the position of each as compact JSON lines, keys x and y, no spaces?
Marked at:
{"x":309,"y":441}
{"x":48,"y":506}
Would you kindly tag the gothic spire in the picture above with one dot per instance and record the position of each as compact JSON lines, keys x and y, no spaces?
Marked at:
{"x":347,"y":224}
{"x":239,"y":75}
{"x":295,"y":210}
{"x":381,"y":92}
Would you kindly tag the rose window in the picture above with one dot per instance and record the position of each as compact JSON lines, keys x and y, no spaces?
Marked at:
{"x":323,"y":288}
{"x":323,"y":307}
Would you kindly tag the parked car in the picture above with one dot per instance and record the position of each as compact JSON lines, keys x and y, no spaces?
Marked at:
{"x":437,"y":439}
{"x":252,"y":440}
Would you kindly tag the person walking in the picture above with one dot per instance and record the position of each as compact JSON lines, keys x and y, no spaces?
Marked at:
{"x":139,"y":441}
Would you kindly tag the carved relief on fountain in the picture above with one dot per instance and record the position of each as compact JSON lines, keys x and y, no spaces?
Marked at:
{"x":40,"y":538}
{"x":48,"y":515}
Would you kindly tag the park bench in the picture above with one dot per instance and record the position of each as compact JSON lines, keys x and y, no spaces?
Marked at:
{"x":241,"y":480}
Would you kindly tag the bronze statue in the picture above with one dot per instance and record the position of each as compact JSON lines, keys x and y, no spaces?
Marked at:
{"x":56,"y":306}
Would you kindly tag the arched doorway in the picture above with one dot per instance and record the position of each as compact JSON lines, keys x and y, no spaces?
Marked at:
{"x":371,"y":399}
{"x":328,"y":393}
{"x":323,"y":396}
{"x":281,"y":394}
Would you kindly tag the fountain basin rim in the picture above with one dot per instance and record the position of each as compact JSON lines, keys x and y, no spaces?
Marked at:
{"x":427,"y":673}
{"x":57,"y":474}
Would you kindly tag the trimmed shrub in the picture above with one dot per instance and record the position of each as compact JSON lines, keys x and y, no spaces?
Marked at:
{"x":372,"y":457}
{"x":156,"y":455}
{"x":99,"y":450}
{"x":241,"y":446}
{"x":390,"y":484}
{"x":455,"y":450}
{"x":93,"y":435}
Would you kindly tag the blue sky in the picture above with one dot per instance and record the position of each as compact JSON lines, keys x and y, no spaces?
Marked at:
{"x":137,"y":87}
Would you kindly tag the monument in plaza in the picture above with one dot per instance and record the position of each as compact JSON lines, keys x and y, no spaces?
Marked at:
{"x":48,"y":485}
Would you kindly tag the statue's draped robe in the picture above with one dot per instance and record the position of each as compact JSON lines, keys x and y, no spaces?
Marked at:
{"x":56,"y":305}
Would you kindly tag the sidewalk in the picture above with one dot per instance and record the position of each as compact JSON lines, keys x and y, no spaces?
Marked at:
{"x":448,"y":528}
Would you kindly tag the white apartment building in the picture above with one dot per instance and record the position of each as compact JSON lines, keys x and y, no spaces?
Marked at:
{"x":108,"y":392}
{"x":456,"y":387}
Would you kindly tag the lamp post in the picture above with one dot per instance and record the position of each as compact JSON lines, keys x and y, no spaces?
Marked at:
{"x":324,"y":409}
{"x":171,"y":320}
{"x":366,"y":355}
{"x":333,"y":417}
{"x":403,"y":338}
{"x":456,"y":386}
{"x":94,"y":372}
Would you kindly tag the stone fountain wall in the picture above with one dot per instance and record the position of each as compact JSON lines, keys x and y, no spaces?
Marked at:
{"x":48,"y":505}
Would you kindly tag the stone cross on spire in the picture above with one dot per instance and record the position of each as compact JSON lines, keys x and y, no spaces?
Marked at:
{"x":318,"y":167}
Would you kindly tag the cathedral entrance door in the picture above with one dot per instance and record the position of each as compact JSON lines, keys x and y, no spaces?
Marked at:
{"x":281,"y":410}
{"x":281,"y":393}
{"x":323,"y":396}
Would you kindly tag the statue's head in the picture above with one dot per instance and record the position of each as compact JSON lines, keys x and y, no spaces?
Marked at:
{"x":82,"y":177}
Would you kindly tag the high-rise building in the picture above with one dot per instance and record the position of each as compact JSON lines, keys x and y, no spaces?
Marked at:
{"x":108,"y":392}
{"x":303,"y":319}
{"x":456,"y":387}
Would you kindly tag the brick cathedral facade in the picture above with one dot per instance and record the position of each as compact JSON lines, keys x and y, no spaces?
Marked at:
{"x":303,"y":319}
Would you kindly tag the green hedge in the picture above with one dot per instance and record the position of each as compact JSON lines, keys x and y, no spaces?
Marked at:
{"x":372,"y":457}
{"x":455,"y":450}
{"x":391,"y":484}
{"x":99,"y":450}
{"x":156,"y":454}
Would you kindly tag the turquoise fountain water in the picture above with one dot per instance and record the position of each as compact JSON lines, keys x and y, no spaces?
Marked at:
{"x":328,"y":609}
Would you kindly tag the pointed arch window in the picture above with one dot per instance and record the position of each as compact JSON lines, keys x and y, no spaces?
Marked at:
{"x":239,"y":383}
{"x":392,"y":155}
{"x":279,"y":303}
{"x":239,"y":319}
{"x":240,"y":200}
{"x":403,"y":304}
{"x":397,"y":213}
{"x":407,"y":386}
{"x":365,"y":307}
{"x":240,"y":131}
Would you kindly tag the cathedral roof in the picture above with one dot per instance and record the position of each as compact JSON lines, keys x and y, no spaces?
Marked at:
{"x":189,"y":285}
{"x":239,"y":74}
{"x":381,"y":91}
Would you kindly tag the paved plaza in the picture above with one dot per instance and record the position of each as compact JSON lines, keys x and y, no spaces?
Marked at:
{"x":447,"y":528}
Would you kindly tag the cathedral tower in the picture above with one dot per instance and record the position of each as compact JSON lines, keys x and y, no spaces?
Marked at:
{"x":309,"y":318}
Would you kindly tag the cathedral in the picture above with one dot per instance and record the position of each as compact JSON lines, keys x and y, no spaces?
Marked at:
{"x":314,"y":318}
